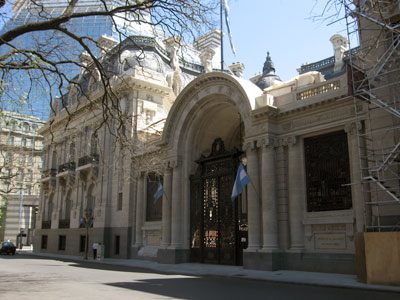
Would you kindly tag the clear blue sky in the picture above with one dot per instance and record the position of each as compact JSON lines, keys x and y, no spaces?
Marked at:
{"x":282,"y":27}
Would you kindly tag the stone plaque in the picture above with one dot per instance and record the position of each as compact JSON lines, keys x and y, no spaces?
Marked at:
{"x":153,"y":238}
{"x":330,"y":241}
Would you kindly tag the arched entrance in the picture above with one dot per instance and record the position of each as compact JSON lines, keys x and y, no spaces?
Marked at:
{"x":218,"y":225}
{"x":213,"y":105}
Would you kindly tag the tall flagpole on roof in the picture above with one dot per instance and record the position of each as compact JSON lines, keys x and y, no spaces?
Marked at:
{"x":222,"y":39}
{"x":225,"y":7}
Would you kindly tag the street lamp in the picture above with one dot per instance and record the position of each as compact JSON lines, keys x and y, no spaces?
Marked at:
{"x":87,"y":221}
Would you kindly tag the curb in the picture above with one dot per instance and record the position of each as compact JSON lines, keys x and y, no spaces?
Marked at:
{"x":328,"y":281}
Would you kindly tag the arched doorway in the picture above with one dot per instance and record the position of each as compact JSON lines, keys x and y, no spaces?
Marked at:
{"x":218,"y":224}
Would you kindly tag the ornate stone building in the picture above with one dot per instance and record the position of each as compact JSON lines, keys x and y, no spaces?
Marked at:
{"x":20,"y":162}
{"x":190,"y":127}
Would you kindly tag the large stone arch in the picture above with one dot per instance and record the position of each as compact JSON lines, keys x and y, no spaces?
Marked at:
{"x":210,"y":93}
{"x":211,"y":106}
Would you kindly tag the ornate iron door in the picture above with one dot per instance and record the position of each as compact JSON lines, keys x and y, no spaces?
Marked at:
{"x":216,"y":220}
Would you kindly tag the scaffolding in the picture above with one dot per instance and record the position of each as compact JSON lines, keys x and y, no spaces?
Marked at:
{"x":375,"y":72}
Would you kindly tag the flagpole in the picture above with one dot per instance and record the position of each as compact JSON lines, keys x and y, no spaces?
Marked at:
{"x":222,"y":39}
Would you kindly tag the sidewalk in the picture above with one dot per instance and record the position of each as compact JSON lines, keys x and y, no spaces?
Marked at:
{"x":194,"y":269}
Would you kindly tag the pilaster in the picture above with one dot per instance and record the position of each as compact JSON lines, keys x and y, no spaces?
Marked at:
{"x":139,"y":211}
{"x":268,"y":195}
{"x":253,"y":197}
{"x":176,"y":205}
{"x":166,"y":207}
{"x":296,"y":197}
{"x":356,"y":175}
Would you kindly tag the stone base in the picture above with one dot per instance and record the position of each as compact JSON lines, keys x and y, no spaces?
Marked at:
{"x":319,"y":262}
{"x":268,"y":261}
{"x":173,"y":256}
{"x":312,"y":262}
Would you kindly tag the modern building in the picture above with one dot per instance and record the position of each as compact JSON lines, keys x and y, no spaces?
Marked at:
{"x":21,"y":163}
{"x":56,"y":46}
{"x":302,"y":144}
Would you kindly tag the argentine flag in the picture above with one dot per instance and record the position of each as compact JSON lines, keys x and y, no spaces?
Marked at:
{"x":159,"y":192}
{"x":226,"y":9}
{"x":242,"y":179}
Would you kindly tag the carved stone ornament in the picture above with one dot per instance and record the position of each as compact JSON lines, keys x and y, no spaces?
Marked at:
{"x":206,"y":58}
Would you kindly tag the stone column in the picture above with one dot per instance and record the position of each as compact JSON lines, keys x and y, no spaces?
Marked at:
{"x":296,"y":198}
{"x":139,"y":211}
{"x":269,"y":199}
{"x":253,"y":198}
{"x":166,"y":208}
{"x":356,"y":175}
{"x":176,"y":209}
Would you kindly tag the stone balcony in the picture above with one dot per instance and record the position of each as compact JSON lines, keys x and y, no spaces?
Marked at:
{"x":87,"y":161}
{"x":69,"y":166}
{"x":48,"y":175}
{"x":46,"y":224}
{"x":63,"y":223}
{"x":66,"y":172}
{"x":88,"y":166}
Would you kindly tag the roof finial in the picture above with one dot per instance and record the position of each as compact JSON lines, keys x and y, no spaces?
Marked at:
{"x":268,"y":65}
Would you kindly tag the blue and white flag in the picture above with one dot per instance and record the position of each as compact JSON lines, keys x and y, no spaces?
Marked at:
{"x":226,"y":9}
{"x":159,"y":192}
{"x":242,"y":179}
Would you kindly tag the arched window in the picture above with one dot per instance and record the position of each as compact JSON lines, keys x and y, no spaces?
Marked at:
{"x":20,"y":174}
{"x":54,"y":160}
{"x":93,"y":144}
{"x":72,"y":152}
{"x":50,"y":208}
{"x":90,"y":201}
{"x":68,"y":205}
{"x":153,"y":206}
{"x":25,"y":127}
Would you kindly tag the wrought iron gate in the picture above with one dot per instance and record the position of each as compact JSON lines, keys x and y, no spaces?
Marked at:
{"x":218,"y":225}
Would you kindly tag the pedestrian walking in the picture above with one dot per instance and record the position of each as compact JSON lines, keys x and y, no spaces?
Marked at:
{"x":95,"y":246}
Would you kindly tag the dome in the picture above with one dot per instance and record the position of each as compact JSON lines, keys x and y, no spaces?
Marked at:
{"x":268,"y":78}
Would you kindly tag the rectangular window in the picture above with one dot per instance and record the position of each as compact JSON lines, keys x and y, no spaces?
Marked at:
{"x":327,"y":172}
{"x":119,"y":204}
{"x":44,"y":242}
{"x":9,"y":157}
{"x":116,"y":245}
{"x":20,"y":174}
{"x":62,"y":242}
{"x":153,"y":206}
{"x":28,"y":190}
{"x":21,"y":159}
{"x":10,"y":140}
{"x":82,"y":241}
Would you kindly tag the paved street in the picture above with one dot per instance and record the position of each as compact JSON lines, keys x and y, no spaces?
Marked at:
{"x":27,"y":277}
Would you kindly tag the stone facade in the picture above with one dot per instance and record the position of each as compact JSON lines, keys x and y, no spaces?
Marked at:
{"x":298,"y":140}
{"x":21,"y":162}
